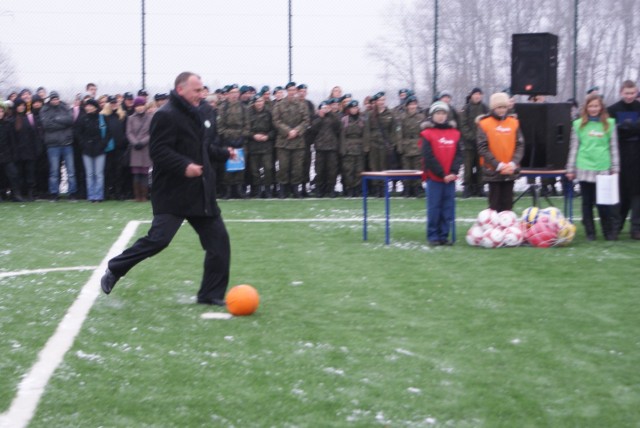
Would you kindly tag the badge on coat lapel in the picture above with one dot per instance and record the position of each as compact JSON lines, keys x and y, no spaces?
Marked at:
{"x":207,"y":124}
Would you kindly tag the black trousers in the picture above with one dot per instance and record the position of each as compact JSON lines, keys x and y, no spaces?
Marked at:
{"x":501,"y":195}
{"x":608,"y":213}
{"x":213,"y":238}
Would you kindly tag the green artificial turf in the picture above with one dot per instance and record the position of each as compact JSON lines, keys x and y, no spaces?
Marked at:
{"x":348,"y":333}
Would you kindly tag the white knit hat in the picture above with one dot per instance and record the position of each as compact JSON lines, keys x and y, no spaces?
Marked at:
{"x":439,"y":106}
{"x":499,"y":99}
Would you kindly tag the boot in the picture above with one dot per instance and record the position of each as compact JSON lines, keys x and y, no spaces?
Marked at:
{"x":295,"y":191}
{"x":467,"y":192}
{"x":609,"y":229}
{"x":227,"y":192}
{"x":283,"y":191}
{"x":240,"y":190}
{"x":255,"y":191}
{"x":16,"y":196}
{"x":267,"y":192}
{"x":589,"y":228}
{"x":30,"y":195}
{"x":303,"y":192}
{"x":144,"y":192}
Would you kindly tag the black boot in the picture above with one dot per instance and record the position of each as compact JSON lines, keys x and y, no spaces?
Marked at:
{"x":283,"y":191}
{"x":467,"y":192}
{"x":589,"y":228}
{"x":295,"y":191}
{"x":16,"y":196}
{"x":240,"y":193}
{"x":227,"y":192}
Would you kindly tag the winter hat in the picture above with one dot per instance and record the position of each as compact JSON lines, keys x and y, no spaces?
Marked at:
{"x":499,"y":99}
{"x":444,"y":93}
{"x":475,"y":90}
{"x":53,"y":95}
{"x":36,"y":98}
{"x":139,"y":101}
{"x":439,"y":106}
{"x":18,"y":102}
{"x":92,"y":102}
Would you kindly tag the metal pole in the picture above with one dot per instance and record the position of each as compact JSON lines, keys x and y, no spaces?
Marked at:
{"x":144,"y":45}
{"x":575,"y":49}
{"x":435,"y":50}
{"x":290,"y":45}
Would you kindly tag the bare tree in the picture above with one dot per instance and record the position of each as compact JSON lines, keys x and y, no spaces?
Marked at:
{"x":7,"y":72}
{"x":474,"y":43}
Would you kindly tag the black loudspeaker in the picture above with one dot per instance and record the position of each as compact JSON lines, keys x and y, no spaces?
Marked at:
{"x":534,"y":64}
{"x":546,"y":129}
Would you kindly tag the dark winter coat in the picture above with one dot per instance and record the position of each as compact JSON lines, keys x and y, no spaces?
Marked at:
{"x":177,"y":139}
{"x":6,"y":149}
{"x":25,"y":139}
{"x":57,"y":122}
{"x":89,"y":136}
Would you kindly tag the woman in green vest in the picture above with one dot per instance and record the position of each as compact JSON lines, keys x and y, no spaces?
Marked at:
{"x":593,"y":152}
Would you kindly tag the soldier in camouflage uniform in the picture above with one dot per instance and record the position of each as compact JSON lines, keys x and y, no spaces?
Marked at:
{"x":325,"y":129}
{"x":233,"y":127}
{"x":354,"y":146}
{"x":291,"y":119}
{"x":302,"y":97}
{"x":383,"y":132}
{"x":403,"y":94}
{"x":260,"y":145}
{"x":408,"y":148}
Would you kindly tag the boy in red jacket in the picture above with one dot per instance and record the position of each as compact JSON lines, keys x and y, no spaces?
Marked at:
{"x":442,"y":156}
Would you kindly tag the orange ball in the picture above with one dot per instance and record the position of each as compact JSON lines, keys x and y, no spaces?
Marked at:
{"x":242,"y":300}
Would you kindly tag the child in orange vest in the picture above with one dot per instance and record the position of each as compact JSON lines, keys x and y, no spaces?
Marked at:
{"x":501,"y":147}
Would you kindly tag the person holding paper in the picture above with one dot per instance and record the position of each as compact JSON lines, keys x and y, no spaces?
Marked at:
{"x":594,"y":151}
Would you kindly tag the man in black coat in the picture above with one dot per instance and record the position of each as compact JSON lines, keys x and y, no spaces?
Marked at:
{"x":183,"y":188}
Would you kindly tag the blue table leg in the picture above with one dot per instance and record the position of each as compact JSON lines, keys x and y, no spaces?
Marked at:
{"x":364,"y":207}
{"x":386,"y":210}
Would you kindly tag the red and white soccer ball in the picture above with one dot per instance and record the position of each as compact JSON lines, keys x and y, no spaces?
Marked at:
{"x":474,"y":235}
{"x":487,"y":218}
{"x":507,"y":219}
{"x":513,"y":236}
{"x":492,"y":238}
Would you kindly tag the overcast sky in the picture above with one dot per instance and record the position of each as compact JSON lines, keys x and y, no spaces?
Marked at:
{"x":65,"y":44}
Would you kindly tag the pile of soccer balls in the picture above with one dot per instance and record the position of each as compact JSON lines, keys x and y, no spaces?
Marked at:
{"x":536,"y":227}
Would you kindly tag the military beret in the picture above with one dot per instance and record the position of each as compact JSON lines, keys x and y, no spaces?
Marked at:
{"x":302,"y":86}
{"x":323,"y":104}
{"x":377,"y":96}
{"x":593,"y":89}
{"x":233,"y":86}
{"x":411,"y":99}
{"x":143,"y":93}
{"x":353,"y":103}
{"x":128,"y":96}
{"x":265,"y":89}
{"x":333,"y":100}
{"x":276,"y":89}
{"x":289,"y":85}
{"x":112,"y":99}
{"x":244,"y":89}
{"x":160,"y":97}
{"x":403,"y":91}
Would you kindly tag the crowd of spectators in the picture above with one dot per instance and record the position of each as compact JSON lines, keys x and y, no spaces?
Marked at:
{"x":96,"y":146}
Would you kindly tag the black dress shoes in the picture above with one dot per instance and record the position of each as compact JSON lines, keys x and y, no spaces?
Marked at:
{"x":108,"y":281}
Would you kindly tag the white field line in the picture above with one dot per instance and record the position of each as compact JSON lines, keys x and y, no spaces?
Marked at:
{"x":33,"y":384}
{"x":36,"y":271}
